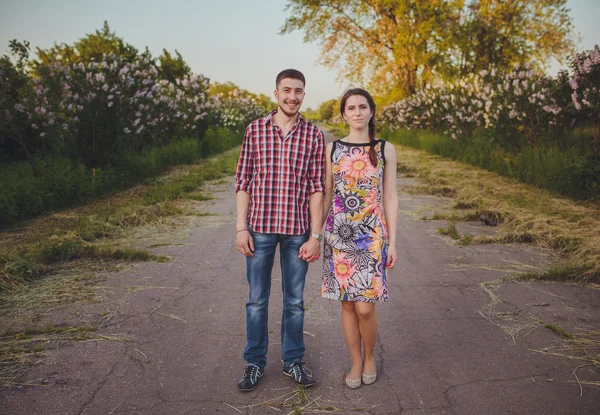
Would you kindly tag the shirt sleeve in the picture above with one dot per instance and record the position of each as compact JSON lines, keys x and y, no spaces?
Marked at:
{"x":316,"y":170}
{"x":245,"y":167}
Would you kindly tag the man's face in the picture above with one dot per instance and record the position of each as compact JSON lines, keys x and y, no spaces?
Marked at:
{"x":289,"y":95}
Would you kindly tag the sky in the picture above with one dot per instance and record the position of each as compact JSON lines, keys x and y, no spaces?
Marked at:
{"x":226,"y":40}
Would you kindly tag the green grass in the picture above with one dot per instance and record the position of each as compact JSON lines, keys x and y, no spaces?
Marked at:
{"x":450,"y":231}
{"x":559,"y":330}
{"x":453,"y":233}
{"x":67,"y":183}
{"x":570,"y":170}
{"x":527,"y":214}
{"x":57,"y":259}
{"x":34,"y":250}
{"x":466,"y":240}
{"x":339,"y":130}
{"x":561,"y":273}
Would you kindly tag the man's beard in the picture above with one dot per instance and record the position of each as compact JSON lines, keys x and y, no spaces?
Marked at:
{"x":289,"y":114}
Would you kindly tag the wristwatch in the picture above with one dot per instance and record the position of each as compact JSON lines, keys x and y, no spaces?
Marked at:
{"x":318,"y":236}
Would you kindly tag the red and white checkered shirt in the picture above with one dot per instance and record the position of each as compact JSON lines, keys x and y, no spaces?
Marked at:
{"x":280,"y":174}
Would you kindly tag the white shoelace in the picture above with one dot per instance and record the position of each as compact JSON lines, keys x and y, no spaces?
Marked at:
{"x":253,"y":375}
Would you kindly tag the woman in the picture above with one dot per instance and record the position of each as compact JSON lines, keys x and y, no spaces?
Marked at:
{"x":360,"y":204}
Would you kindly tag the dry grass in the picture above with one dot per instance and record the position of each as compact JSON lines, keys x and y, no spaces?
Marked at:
{"x":19,"y":350}
{"x":32,"y":249}
{"x":527,"y":214}
{"x":51,"y":261}
{"x":582,"y":348}
{"x":296,"y":402}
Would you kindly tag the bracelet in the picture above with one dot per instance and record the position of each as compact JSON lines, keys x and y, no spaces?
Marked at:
{"x":241,"y":230}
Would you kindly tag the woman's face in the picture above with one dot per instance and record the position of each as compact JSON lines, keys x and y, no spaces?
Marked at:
{"x":357,"y":112}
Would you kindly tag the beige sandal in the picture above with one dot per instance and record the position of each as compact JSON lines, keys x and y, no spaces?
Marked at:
{"x":353,"y":383}
{"x":369,"y":379}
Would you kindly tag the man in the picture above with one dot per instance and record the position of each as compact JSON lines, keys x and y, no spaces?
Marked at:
{"x":279,"y":198}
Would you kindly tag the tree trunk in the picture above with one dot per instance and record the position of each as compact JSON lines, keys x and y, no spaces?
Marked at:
{"x":19,"y":140}
{"x":596,"y":136}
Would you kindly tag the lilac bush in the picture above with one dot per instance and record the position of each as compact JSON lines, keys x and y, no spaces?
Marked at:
{"x":585,"y":86}
{"x":112,"y":104}
{"x":519,"y":101}
{"x":98,"y":109}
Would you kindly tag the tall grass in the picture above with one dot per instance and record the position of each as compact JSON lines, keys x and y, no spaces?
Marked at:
{"x":528,"y":214}
{"x":43,"y":245}
{"x":61,"y":183}
{"x":569,"y":170}
{"x":339,"y":130}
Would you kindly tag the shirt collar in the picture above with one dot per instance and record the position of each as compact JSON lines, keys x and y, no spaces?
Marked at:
{"x":269,"y":118}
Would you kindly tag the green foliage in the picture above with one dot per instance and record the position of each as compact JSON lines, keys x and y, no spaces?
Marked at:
{"x":99,"y":100}
{"x":219,"y":139}
{"x":500,"y":34}
{"x":328,"y":109}
{"x":585,"y":67}
{"x":173,"y":68}
{"x":311,"y":115}
{"x":227,"y":88}
{"x":566,"y":170}
{"x":14,"y":82}
{"x":97,"y":116}
{"x":65,"y":183}
{"x":91,"y":48}
{"x":450,"y":231}
{"x":397,"y":46}
{"x":339,"y":130}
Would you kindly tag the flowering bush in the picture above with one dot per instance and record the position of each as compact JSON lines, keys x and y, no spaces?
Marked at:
{"x":235,"y":108}
{"x":517,"y":103}
{"x":498,"y":121}
{"x":111,"y":105}
{"x":98,"y":116}
{"x":585,"y":86}
{"x":93,"y":110}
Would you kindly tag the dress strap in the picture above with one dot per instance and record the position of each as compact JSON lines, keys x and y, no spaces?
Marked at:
{"x":334,"y":145}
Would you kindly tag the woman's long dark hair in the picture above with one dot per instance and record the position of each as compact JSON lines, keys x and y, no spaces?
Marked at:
{"x":371,"y":102}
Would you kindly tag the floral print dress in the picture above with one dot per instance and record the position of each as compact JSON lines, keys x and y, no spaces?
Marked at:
{"x":355,"y":248}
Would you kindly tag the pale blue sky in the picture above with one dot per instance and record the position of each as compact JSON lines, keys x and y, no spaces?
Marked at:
{"x":225,"y":40}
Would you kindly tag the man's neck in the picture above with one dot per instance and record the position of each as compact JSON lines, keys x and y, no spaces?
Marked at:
{"x":282,"y":120}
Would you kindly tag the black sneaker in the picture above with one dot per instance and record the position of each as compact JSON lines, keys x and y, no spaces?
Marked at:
{"x":301,"y":374}
{"x":251,"y":377}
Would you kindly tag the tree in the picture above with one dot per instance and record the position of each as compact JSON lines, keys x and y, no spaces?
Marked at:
{"x":228,"y":88}
{"x":393,"y":44}
{"x":13,"y":81}
{"x":173,"y":68}
{"x":401,"y":45}
{"x":91,"y":48}
{"x":328,"y":109}
{"x":502,"y":33}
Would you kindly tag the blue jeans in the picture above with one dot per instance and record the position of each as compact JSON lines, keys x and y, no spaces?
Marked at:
{"x":258,"y":273}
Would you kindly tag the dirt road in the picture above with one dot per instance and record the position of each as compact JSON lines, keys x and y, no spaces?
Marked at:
{"x":447,"y":345}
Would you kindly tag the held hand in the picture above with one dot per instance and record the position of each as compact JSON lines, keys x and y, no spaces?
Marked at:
{"x":310,"y":250}
{"x":244,"y":243}
{"x":391,"y":257}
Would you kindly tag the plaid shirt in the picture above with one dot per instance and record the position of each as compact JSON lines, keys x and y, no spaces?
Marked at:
{"x":280,"y":174}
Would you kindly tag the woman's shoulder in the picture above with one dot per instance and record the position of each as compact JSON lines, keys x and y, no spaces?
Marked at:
{"x":386,"y":145}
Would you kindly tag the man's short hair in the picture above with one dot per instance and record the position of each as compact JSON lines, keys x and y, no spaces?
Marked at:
{"x":289,"y":73}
